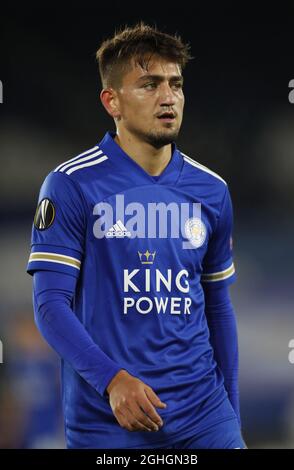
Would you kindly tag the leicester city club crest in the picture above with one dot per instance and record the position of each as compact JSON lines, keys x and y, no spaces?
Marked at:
{"x":195,"y":231}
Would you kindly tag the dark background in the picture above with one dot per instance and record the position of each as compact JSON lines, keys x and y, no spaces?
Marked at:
{"x":238,"y":121}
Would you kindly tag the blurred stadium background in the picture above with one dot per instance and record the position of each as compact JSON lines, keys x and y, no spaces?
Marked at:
{"x":238,"y":121}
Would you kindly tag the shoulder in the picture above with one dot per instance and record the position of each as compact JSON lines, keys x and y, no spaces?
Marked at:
{"x":65,"y":181}
{"x":194,"y":168}
{"x":84,"y":164}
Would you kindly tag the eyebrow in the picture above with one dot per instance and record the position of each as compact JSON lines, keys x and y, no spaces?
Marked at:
{"x":160,"y":78}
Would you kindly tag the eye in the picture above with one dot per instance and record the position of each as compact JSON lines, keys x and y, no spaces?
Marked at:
{"x":150,"y":86}
{"x":177,"y":85}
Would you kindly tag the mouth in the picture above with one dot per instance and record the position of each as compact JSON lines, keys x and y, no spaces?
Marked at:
{"x":167,"y":117}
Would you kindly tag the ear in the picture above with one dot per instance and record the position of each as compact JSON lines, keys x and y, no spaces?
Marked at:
{"x":109,"y":99}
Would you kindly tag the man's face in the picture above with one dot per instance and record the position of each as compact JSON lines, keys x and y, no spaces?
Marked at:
{"x":151,"y":102}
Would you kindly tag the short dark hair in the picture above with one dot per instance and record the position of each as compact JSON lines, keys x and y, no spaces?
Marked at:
{"x":138,"y":43}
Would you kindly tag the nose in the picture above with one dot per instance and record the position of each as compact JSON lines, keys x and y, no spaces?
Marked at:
{"x":166,"y":95}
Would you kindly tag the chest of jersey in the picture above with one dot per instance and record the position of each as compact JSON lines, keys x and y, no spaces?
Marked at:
{"x":152,"y":225}
{"x":150,"y":242}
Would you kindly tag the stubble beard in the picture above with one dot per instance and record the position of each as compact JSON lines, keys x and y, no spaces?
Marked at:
{"x":159,"y":138}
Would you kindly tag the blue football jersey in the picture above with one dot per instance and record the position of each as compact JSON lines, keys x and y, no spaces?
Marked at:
{"x":142,"y":248}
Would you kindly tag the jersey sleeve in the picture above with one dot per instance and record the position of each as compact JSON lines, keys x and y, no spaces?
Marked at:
{"x":218,"y":266}
{"x":58,"y":231}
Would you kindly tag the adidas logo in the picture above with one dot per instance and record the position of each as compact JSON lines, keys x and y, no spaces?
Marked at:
{"x":118,"y":230}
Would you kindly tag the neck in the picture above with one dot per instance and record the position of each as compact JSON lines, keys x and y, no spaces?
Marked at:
{"x":151,"y":159}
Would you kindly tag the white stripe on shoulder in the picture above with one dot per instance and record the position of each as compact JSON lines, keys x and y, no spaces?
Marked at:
{"x":202,"y":167}
{"x":84,"y":165}
{"x":81,"y":160}
{"x":87,"y":152}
